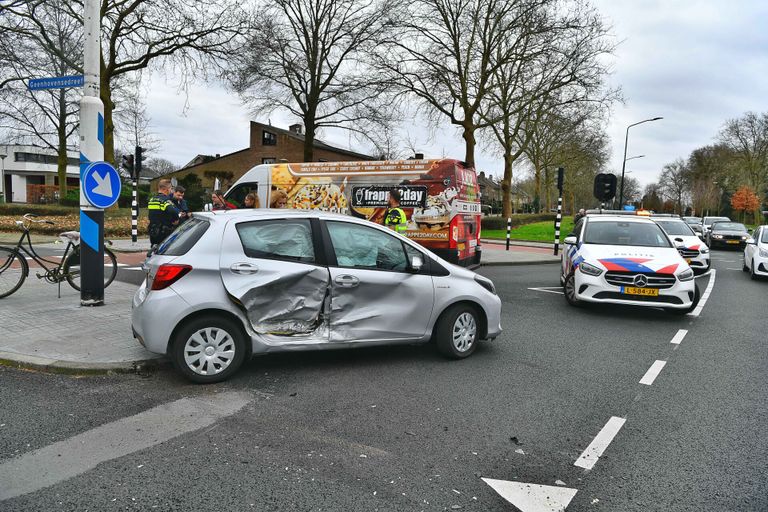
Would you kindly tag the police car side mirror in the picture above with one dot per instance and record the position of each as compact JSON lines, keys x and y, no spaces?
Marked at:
{"x":751,"y":241}
{"x":416,"y":262}
{"x":570,"y":240}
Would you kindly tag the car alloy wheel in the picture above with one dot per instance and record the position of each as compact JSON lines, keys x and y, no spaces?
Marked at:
{"x":209,"y":349}
{"x":464,"y":332}
{"x":456,"y":332}
{"x":569,"y":290}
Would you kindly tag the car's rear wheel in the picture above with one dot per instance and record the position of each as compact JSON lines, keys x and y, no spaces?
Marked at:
{"x":685,"y":311}
{"x":209,"y":349}
{"x":569,"y":290}
{"x":457,"y":331}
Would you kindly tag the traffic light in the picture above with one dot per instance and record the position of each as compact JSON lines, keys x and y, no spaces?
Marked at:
{"x":127,"y":164}
{"x":560,"y":179}
{"x":605,"y":187}
{"x":139,"y":161}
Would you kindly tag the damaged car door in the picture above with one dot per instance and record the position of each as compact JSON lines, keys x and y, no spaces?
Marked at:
{"x":270,"y":267}
{"x":375,"y":293}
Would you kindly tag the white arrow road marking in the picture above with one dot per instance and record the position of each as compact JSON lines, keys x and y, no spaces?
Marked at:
{"x":705,"y":296}
{"x":588,"y":457}
{"x":652,"y":373}
{"x":103,"y":184}
{"x":679,"y":336}
{"x":63,"y":460}
{"x":533,"y":497}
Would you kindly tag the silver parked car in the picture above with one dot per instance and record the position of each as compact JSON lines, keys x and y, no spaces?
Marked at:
{"x":230,"y":284}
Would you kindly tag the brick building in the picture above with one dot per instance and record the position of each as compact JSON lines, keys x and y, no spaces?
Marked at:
{"x":268,"y":144}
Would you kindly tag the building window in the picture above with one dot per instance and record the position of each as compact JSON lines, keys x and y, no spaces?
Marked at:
{"x":40,"y":158}
{"x":269,"y":160}
{"x":268,"y":138}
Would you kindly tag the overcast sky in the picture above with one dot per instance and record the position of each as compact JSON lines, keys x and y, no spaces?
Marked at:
{"x":696,"y":63}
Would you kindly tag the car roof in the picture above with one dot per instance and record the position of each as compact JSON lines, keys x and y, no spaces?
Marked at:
{"x":269,"y":213}
{"x":604,"y":217}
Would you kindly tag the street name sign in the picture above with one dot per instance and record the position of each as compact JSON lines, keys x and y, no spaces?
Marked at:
{"x":101,"y":184}
{"x":57,"y":82}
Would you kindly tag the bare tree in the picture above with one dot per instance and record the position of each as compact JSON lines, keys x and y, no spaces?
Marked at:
{"x":747,"y":138}
{"x":44,"y":42}
{"x":187,"y":37}
{"x":675,"y":183}
{"x":132,"y":119}
{"x":632,"y":190}
{"x":308,"y":57}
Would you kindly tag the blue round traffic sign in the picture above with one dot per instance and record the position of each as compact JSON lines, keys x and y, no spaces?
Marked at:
{"x":101,"y":184}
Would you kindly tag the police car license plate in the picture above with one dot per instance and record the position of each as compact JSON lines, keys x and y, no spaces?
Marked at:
{"x":631,"y":290}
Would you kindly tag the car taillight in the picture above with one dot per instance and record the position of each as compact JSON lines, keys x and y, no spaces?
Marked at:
{"x":453,"y":232}
{"x":168,"y":274}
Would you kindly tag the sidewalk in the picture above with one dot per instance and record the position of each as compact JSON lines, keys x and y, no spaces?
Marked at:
{"x":495,"y":253}
{"x":141,"y":245}
{"x":47,"y":333}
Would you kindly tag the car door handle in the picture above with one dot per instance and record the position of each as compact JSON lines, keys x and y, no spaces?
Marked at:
{"x":347,"y":281}
{"x":244,"y":268}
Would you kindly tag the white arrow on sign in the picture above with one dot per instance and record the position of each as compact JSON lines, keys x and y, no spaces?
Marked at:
{"x":533,"y":497}
{"x":103,"y":184}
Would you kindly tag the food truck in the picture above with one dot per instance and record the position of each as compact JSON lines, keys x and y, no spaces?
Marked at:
{"x":440,"y":198}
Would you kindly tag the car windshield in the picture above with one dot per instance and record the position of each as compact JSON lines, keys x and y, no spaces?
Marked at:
{"x":711,"y":220}
{"x":728,"y":226}
{"x":764,"y":238}
{"x":675,"y":227}
{"x":640,"y":234}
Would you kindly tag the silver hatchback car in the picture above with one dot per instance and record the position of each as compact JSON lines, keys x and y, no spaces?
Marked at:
{"x":228,"y":285}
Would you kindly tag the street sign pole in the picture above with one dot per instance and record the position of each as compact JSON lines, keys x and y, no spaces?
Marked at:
{"x":559,"y":218}
{"x":91,"y":150}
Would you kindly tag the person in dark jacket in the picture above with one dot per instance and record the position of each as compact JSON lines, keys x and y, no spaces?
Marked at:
{"x":163,"y":214}
{"x":181,"y":204}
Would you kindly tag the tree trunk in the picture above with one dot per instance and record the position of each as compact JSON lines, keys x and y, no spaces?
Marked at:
{"x":109,"y":125}
{"x":506,"y":185}
{"x":469,"y":144}
{"x":309,"y":143}
{"x":62,"y":146}
{"x":537,"y":188}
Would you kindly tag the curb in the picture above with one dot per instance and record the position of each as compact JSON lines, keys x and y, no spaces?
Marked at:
{"x":48,"y":365}
{"x":128,"y":249}
{"x":517,"y":263}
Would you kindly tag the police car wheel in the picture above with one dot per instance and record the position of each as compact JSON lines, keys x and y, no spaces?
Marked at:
{"x":685,"y":311}
{"x":569,"y":290}
{"x":562,"y":279}
{"x":208,"y":349}
{"x":457,"y":331}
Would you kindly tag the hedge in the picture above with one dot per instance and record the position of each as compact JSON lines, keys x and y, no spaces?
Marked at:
{"x":499,"y":222}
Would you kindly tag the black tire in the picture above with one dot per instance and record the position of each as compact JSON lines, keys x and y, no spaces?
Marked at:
{"x":681,"y":312}
{"x":752,"y":274}
{"x":744,"y":267}
{"x":71,"y":268}
{"x":233,"y":340}
{"x":13,"y":271}
{"x":562,"y":279}
{"x":457,"y":331}
{"x":569,"y":290}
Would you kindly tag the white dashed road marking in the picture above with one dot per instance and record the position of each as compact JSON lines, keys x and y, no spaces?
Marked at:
{"x":652,"y":373}
{"x":588,"y":457}
{"x":705,"y":295}
{"x":63,"y":460}
{"x":679,"y":336}
{"x":548,"y":289}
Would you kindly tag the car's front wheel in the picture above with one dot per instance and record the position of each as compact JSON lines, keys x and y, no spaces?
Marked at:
{"x":752,"y":274}
{"x":569,"y":289}
{"x":744,"y":266}
{"x":209,"y":349}
{"x":457,"y":331}
{"x":685,"y":311}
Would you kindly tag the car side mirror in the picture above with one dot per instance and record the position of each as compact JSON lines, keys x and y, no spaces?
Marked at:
{"x":416,"y":262}
{"x":751,"y":241}
{"x":570,"y":240}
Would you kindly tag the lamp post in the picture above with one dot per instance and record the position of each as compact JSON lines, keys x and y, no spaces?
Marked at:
{"x":621,"y":186}
{"x":624,"y":163}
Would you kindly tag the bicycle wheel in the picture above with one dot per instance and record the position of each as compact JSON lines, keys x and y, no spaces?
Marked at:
{"x":72,"y":268}
{"x":13,"y":271}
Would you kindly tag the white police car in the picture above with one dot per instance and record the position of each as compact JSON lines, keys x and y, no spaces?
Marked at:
{"x":693,"y":250}
{"x":756,"y":253}
{"x":625,"y":259}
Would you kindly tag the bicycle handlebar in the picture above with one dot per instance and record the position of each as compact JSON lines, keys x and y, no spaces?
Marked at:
{"x":32,"y":216}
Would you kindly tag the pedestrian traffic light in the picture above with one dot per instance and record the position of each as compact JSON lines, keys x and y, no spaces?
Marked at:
{"x":127,"y":164}
{"x":605,"y":187}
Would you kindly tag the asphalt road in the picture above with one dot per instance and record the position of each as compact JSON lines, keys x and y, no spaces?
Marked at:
{"x":403,"y":429}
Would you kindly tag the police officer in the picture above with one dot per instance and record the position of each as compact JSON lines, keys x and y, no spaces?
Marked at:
{"x":163,"y":214}
{"x":395,"y":217}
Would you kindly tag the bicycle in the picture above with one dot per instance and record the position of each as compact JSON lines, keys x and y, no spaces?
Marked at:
{"x":14,"y":268}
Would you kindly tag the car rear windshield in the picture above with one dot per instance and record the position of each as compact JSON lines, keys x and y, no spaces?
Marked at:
{"x":692,"y":220}
{"x":675,"y":228}
{"x":728,"y":226}
{"x":184,"y":238}
{"x":712,"y":220}
{"x":639,"y":234}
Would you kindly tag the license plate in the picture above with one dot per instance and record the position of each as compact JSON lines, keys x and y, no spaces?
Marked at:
{"x":631,"y":290}
{"x":731,"y":241}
